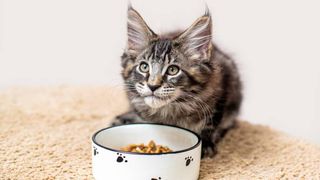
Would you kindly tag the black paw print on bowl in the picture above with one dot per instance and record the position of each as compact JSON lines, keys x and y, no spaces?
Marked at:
{"x":188,"y":160}
{"x":121,"y":158}
{"x":95,"y":151}
{"x":156,"y":178}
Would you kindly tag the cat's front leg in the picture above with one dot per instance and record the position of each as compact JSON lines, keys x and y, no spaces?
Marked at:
{"x":209,"y":148}
{"x":127,"y":118}
{"x":211,"y":137}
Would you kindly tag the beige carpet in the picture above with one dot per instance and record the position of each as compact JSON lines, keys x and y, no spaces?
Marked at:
{"x":46,"y":132}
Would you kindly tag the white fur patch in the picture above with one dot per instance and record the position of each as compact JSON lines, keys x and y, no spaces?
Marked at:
{"x":154,"y":102}
{"x":152,"y":98}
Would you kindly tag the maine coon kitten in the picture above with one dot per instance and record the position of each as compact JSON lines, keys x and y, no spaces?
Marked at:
{"x":181,"y":79}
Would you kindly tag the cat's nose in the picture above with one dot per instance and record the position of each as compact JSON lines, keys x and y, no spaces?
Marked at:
{"x":153,"y":87}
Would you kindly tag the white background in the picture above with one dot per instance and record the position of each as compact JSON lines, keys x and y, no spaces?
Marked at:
{"x":276,"y":44}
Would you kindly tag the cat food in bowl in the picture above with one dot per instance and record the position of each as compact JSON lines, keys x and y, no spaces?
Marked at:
{"x":114,"y":156}
{"x":151,"y":148}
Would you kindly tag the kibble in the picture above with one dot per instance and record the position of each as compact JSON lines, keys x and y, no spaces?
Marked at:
{"x":151,"y":148}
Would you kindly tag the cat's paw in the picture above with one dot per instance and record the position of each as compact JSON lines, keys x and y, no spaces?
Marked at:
{"x":116,"y":122}
{"x":126,"y":118}
{"x":208,"y":152}
{"x":120,"y":121}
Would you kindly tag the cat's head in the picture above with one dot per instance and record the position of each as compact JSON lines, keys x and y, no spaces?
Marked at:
{"x":160,"y":69}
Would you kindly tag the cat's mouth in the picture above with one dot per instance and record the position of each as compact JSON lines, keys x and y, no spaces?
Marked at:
{"x":157,"y":97}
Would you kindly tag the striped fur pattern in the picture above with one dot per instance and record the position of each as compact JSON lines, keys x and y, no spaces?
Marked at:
{"x":181,"y":79}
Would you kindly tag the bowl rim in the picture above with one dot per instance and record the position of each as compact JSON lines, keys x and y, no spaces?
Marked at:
{"x":155,"y":154}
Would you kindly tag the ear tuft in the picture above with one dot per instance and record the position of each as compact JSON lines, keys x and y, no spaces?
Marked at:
{"x":129,"y":5}
{"x":139,"y":34}
{"x":207,"y":11}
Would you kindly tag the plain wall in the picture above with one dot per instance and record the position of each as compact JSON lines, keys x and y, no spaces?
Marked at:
{"x":275,"y":43}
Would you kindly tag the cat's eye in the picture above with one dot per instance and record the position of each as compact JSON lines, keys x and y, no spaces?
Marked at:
{"x":144,"y":67}
{"x":172,"y":70}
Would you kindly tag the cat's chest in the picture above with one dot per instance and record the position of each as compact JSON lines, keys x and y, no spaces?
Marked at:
{"x":188,"y":120}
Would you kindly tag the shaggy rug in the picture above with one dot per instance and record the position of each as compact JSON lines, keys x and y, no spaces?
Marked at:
{"x":46,"y":134}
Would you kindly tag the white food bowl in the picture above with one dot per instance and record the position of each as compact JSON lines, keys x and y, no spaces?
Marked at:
{"x":110,"y":163}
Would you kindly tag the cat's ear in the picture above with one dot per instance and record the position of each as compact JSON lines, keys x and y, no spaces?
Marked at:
{"x":139,"y":34}
{"x":196,"y":41}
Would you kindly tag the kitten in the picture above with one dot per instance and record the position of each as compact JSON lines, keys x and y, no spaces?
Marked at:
{"x":181,"y":79}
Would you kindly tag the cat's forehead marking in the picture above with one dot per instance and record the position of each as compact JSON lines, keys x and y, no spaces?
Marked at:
{"x":160,"y":51}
